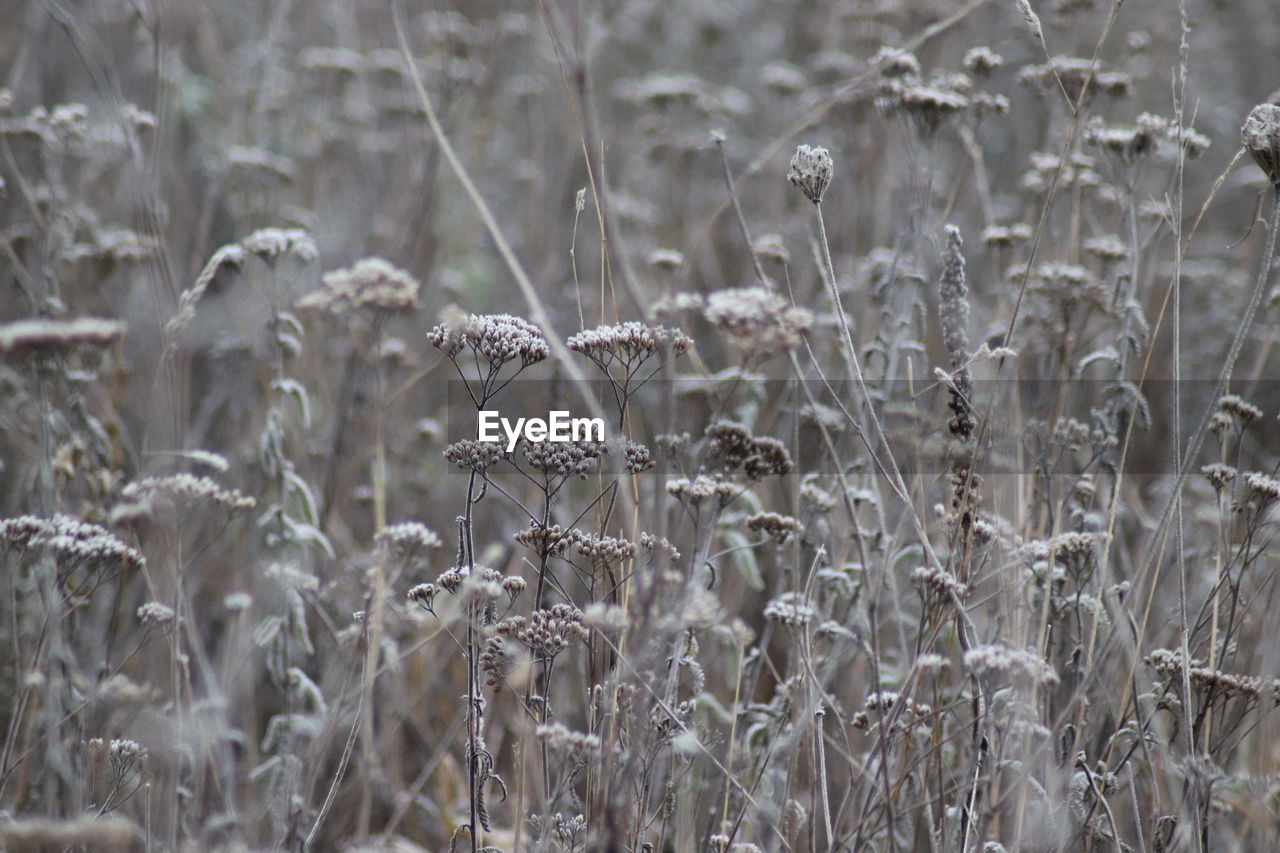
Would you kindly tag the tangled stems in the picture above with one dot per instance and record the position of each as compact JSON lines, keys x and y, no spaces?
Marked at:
{"x":1237,"y":343}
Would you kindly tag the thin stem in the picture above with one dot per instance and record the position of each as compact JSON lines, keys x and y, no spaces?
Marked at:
{"x":473,"y":723}
{"x":1237,"y":343}
{"x":737,"y":209}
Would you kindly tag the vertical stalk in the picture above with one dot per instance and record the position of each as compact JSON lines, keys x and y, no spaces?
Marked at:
{"x":473,"y":722}
{"x":374,"y":608}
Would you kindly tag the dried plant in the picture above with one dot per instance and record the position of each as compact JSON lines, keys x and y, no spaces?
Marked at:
{"x":929,"y":543}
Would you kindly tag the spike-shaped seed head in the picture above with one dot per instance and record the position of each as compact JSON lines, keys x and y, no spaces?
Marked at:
{"x":1261,"y":135}
{"x":810,"y":172}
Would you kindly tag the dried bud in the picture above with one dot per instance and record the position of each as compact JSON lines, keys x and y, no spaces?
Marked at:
{"x":811,"y":171}
{"x":423,"y":595}
{"x":155,"y":615}
{"x":1261,"y":135}
{"x":513,"y":586}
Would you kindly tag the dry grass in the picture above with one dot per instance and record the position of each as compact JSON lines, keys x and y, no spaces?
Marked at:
{"x":933,"y":345}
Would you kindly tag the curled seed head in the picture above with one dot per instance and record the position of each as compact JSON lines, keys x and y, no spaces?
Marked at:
{"x":1261,"y":135}
{"x":811,"y":171}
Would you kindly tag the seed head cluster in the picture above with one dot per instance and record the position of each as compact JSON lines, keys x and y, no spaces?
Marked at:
{"x":409,"y":540}
{"x":628,"y":342}
{"x":733,"y":448}
{"x":273,"y":244}
{"x":547,"y":632}
{"x":790,"y":609}
{"x":155,"y":616}
{"x":497,"y":338}
{"x":757,"y":318}
{"x":1002,"y":664}
{"x":563,"y":458}
{"x":474,"y":455}
{"x":811,"y":172}
{"x":371,"y":285}
{"x":779,"y":528}
{"x":700,"y":489}
{"x":178,"y":490}
{"x":58,"y":336}
{"x":77,"y":542}
{"x":1261,"y":137}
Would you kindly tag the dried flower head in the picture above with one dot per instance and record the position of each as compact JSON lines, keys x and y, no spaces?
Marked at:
{"x":678,"y":305}
{"x":58,"y":336}
{"x":769,"y":458}
{"x":547,"y":632}
{"x":371,"y":285}
{"x":658,"y":545}
{"x":771,"y":247}
{"x":1242,"y":409}
{"x":790,"y":608}
{"x":982,"y":61}
{"x":988,"y":104}
{"x":175,"y":490}
{"x":543,"y":540}
{"x":155,"y":616}
{"x":119,"y":245}
{"x":474,"y":455}
{"x":498,"y":338}
{"x":1125,"y":142}
{"x":271,"y":244}
{"x":1071,"y":74}
{"x":407,"y":541}
{"x":930,"y":106}
{"x":1264,"y":489}
{"x":423,"y":595}
{"x":558,"y":738}
{"x":1218,"y":475}
{"x":604,"y":617}
{"x":124,"y":754}
{"x":513,"y":586}
{"x":667,"y":260}
{"x":893,"y":62}
{"x":256,"y":165}
{"x":72,"y":541}
{"x":931,"y":663}
{"x":779,"y":528}
{"x":1003,"y":664}
{"x":811,"y":171}
{"x":568,"y":831}
{"x":1261,"y":135}
{"x":637,"y":458}
{"x":1007,"y":235}
{"x":941,"y":582}
{"x":1107,"y":248}
{"x":816,"y":499}
{"x":600,"y":551}
{"x":563,"y":458}
{"x":627,"y":344}
{"x":694,"y":492}
{"x":758,"y":318}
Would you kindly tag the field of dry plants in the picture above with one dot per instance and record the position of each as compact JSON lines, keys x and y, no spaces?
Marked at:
{"x":932,"y":342}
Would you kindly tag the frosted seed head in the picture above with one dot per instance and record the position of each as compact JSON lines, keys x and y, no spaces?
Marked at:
{"x":1261,"y":135}
{"x":811,"y":171}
